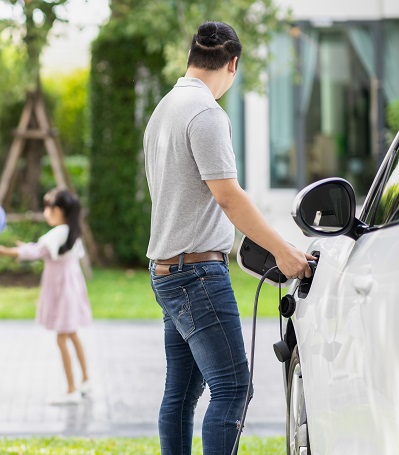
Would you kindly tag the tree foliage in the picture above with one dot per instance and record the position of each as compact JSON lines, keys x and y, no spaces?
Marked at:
{"x":138,"y":56}
{"x":24,"y":29}
{"x":125,"y":84}
{"x":13,"y":74}
{"x":13,"y":82}
{"x":27,"y":24}
{"x":29,"y":21}
{"x":67,"y":98}
{"x":392,"y":117}
{"x":168,"y":26}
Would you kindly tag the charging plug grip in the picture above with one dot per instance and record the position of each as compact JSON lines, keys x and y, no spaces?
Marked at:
{"x":258,"y":260}
{"x":312,"y":265}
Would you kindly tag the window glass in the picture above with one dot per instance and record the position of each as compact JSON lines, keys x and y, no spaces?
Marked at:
{"x":386,"y":205}
{"x":338,"y":141}
{"x":281,"y":108}
{"x":323,"y":108}
{"x":236,"y":111}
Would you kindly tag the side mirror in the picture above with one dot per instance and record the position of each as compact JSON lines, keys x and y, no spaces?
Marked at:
{"x":327,"y":208}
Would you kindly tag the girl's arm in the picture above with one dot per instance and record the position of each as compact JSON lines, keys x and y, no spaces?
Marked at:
{"x":5,"y":251}
{"x":26,"y":251}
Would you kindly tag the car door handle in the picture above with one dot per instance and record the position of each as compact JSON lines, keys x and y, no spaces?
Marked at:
{"x":363,"y":284}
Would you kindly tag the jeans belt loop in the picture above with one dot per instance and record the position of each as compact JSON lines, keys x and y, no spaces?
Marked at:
{"x":181,"y":262}
{"x":226,"y":258}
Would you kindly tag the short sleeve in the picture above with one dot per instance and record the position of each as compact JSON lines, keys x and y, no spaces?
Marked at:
{"x":210,"y":140}
{"x":78,"y":249}
{"x":54,"y":239}
{"x":32,"y":252}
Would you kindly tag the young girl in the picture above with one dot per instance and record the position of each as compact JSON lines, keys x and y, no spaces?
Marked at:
{"x":63,"y":303}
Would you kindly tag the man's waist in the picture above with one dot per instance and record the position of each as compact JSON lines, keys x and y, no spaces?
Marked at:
{"x":190,"y":258}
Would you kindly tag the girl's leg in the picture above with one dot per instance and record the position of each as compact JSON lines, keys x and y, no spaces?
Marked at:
{"x":80,"y":354}
{"x":62,"y":339}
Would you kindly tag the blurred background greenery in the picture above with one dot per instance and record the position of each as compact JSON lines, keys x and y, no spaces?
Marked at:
{"x":101,"y":112}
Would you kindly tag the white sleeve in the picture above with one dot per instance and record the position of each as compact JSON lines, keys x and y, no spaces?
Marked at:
{"x":78,"y":249}
{"x":54,"y":239}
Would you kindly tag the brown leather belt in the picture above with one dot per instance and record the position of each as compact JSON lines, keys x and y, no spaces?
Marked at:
{"x":162,"y":267}
{"x":190,"y":258}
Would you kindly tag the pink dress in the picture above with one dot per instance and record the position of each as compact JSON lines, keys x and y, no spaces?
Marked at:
{"x":63,"y":303}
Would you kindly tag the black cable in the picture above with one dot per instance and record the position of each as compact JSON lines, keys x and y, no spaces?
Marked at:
{"x":312,"y":265}
{"x":279,"y":309}
{"x":252,"y":358}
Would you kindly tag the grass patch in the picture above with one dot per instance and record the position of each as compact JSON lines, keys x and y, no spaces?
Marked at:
{"x":127,"y":294}
{"x":250,"y":445}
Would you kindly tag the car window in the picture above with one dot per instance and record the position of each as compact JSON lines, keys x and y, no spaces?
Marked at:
{"x":385,"y":206}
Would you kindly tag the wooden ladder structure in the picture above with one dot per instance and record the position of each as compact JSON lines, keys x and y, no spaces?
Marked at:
{"x":35,"y":124}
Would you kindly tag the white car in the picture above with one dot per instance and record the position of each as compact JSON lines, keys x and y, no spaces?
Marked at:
{"x":341,"y":343}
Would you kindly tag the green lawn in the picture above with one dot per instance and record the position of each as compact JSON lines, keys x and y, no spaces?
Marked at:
{"x":127,"y":294}
{"x":252,"y":445}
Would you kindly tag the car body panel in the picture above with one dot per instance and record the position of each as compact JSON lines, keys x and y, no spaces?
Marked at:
{"x":345,"y":321}
{"x":351,"y":379}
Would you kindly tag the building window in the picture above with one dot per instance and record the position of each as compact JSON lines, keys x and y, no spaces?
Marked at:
{"x":235,"y":108}
{"x":281,"y":113}
{"x":337,"y":118}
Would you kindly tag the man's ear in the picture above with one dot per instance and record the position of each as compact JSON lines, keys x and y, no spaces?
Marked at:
{"x":232,"y":65}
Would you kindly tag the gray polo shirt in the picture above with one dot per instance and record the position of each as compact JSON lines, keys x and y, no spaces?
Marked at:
{"x":188,"y":141}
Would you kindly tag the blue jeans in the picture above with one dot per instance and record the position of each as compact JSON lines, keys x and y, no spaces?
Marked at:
{"x":203,"y":344}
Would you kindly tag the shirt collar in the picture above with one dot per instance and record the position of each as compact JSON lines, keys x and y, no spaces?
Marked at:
{"x":192,"y":82}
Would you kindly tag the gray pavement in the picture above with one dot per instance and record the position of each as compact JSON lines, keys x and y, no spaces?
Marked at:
{"x":126,"y":362}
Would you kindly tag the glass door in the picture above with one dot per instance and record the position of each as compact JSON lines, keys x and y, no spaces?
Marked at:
{"x":337,"y":120}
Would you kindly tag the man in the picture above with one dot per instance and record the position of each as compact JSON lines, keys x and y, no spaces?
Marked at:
{"x":196,"y":202}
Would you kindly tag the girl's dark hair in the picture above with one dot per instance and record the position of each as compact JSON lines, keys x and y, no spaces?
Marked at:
{"x":70,"y":206}
{"x":214,"y":45}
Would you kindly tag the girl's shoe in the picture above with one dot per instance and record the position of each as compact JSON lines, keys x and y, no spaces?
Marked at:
{"x":85,"y":388}
{"x":67,"y":399}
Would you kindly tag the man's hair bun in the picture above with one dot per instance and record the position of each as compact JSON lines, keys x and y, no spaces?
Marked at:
{"x":208,"y":34}
{"x":213,"y":46}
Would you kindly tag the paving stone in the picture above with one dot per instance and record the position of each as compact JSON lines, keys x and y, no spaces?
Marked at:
{"x":127,"y":367}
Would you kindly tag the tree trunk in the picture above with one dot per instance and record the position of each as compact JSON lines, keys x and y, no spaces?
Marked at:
{"x":31,"y":186}
{"x":31,"y":174}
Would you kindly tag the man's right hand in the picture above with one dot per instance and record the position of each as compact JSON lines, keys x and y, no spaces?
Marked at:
{"x":294,"y":263}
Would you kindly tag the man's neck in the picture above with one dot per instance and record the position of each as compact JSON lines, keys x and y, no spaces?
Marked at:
{"x":214,"y":80}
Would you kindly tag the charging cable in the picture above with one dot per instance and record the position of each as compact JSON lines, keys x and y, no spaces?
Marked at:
{"x":312,"y":265}
{"x":252,"y":358}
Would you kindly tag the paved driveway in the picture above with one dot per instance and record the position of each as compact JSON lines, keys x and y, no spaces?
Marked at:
{"x":127,"y":366}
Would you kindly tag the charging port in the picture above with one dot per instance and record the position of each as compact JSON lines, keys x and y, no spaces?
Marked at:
{"x":306,"y":283}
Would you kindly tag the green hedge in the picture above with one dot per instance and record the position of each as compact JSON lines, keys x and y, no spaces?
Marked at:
{"x":126,"y":84}
{"x":23,"y":231}
{"x":392,"y":116}
{"x":66,"y":98}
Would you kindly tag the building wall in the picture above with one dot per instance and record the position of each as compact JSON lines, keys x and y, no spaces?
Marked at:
{"x":276,"y":204}
{"x":342,"y":9}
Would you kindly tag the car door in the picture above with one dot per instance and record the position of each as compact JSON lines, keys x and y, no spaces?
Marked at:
{"x":347,"y":334}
